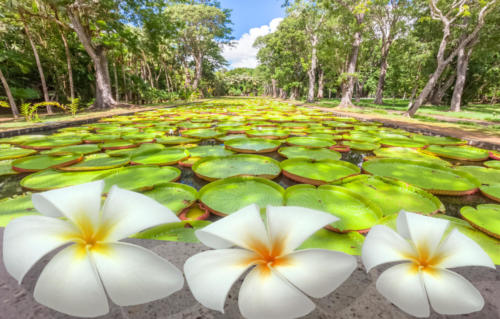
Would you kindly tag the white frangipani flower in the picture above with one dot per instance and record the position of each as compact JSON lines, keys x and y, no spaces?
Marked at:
{"x":75,"y":279}
{"x":274,"y":287}
{"x":424,"y":275}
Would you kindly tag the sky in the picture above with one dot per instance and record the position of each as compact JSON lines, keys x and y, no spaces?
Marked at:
{"x":251,"y":19}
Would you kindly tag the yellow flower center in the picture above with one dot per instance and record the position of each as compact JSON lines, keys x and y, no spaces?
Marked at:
{"x":267,"y":257}
{"x":88,"y":237}
{"x":424,"y":260}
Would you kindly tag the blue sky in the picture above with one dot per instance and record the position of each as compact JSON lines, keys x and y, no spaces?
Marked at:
{"x":248,"y":14}
{"x":251,"y":19}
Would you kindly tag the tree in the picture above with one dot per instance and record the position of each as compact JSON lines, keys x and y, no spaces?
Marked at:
{"x":450,"y":17}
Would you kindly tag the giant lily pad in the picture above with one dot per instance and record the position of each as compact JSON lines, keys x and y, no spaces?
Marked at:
{"x":409,"y":153}
{"x":176,"y":140}
{"x":209,"y":150}
{"x":490,"y":245}
{"x":40,"y":162}
{"x":349,"y":243}
{"x":317,"y":172}
{"x":252,"y":145}
{"x":180,"y":232}
{"x":11,"y":208}
{"x":80,"y":149}
{"x":485,"y":217}
{"x":100,"y":138}
{"x":268,"y":133}
{"x":310,"y":142}
{"x":356,"y":213}
{"x":361,"y":146}
{"x":463,"y":153}
{"x":50,"y":142}
{"x":96,"y":162}
{"x":491,"y":191}
{"x":486,"y":176}
{"x":434,"y":178}
{"x":492,"y":164}
{"x":202,"y":133}
{"x":401,"y":142}
{"x":228,"y":195}
{"x":308,"y":153}
{"x":14,"y":152}
{"x":175,"y":196}
{"x":438,"y":140}
{"x":168,"y":156}
{"x":52,"y":179}
{"x":392,"y":196}
{"x":140,"y":178}
{"x":117,"y":145}
{"x":213,"y":168}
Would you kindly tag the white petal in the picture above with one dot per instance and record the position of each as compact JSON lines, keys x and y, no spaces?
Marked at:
{"x":133,"y":275}
{"x":211,"y":274}
{"x":459,"y":250}
{"x":243,"y":228}
{"x":451,"y":294}
{"x":70,"y":284}
{"x":29,"y":238}
{"x":317,"y":272}
{"x":404,"y":288}
{"x":383,"y":245}
{"x":292,"y":225}
{"x":425,"y":232}
{"x":71,"y":201}
{"x":130,"y":212}
{"x":264,"y":294}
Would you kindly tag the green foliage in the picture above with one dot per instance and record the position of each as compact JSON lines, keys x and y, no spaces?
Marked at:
{"x":4,"y":104}
{"x":30,"y":111}
{"x":73,"y":106}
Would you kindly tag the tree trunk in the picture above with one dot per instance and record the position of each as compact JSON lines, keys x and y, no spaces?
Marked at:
{"x":117,"y":91}
{"x":38,"y":65}
{"x":125,"y":89}
{"x":383,"y":71}
{"x":426,"y":91}
{"x":68,"y":62}
{"x":198,"y":65}
{"x":437,"y":97}
{"x":462,"y":65}
{"x":282,"y":93}
{"x":321,"y":84}
{"x":275,"y":91}
{"x":12,"y":102}
{"x":348,"y":87}
{"x":311,"y":73}
{"x":104,"y":98}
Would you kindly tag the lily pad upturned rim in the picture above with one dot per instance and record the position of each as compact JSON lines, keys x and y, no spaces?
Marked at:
{"x":185,"y":187}
{"x":80,"y":167}
{"x":374,"y":207}
{"x":468,"y":176}
{"x":469,"y":214}
{"x":433,"y":150}
{"x":316,"y":182}
{"x":183,"y":214}
{"x":292,"y":141}
{"x":281,"y":151}
{"x":491,"y":191}
{"x":21,"y":152}
{"x":234,"y":157}
{"x":235,"y":179}
{"x":72,"y":159}
{"x":492,"y":164}
{"x":183,"y":154}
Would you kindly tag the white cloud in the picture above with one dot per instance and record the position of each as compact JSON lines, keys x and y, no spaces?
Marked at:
{"x":242,"y":54}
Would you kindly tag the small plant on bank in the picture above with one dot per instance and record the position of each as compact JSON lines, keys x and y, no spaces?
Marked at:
{"x":29,"y":111}
{"x":73,"y":106}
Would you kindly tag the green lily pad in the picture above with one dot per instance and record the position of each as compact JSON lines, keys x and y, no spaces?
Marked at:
{"x":167,"y":156}
{"x":101,"y":138}
{"x":486,"y":176}
{"x":361,"y":146}
{"x":491,"y":191}
{"x":431,"y":177}
{"x":228,"y":195}
{"x":310,"y":142}
{"x":202,"y":133}
{"x":401,"y":142}
{"x":179,"y":232}
{"x":51,"y":142}
{"x":308,"y":153}
{"x":21,"y":139}
{"x":176,"y":140}
{"x":349,"y":243}
{"x":268,"y":133}
{"x":11,"y":208}
{"x":317,"y":172}
{"x":356,"y":213}
{"x":490,"y":245}
{"x":392,"y":196}
{"x":52,"y":179}
{"x":410,"y":154}
{"x":84,"y":149}
{"x":492,"y":164}
{"x":96,"y":162}
{"x":6,"y":168}
{"x":117,"y":145}
{"x":485,"y":217}
{"x":463,"y":153}
{"x":209,"y":150}
{"x":213,"y":168}
{"x":253,"y":145}
{"x":230,"y":137}
{"x":40,"y":162}
{"x":140,"y":178}
{"x":439,"y":140}
{"x":14,"y":152}
{"x":175,"y":196}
